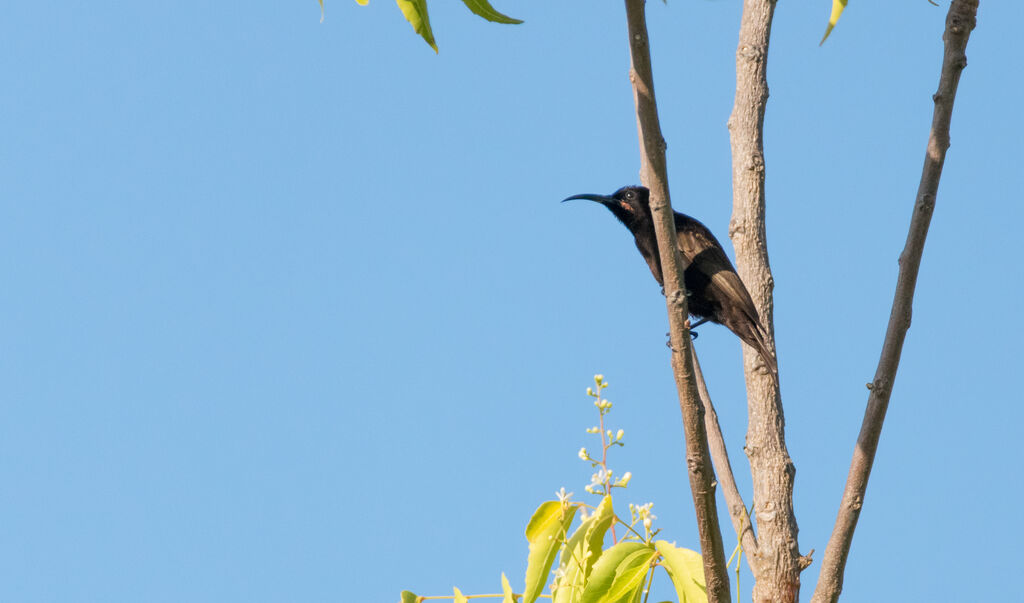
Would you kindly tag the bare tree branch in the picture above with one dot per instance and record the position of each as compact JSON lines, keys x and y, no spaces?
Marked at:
{"x":778,"y":562}
{"x":723,"y":469}
{"x":960,"y":20}
{"x":654,"y":176}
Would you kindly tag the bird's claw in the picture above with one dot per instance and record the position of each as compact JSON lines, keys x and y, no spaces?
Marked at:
{"x":668,"y":344}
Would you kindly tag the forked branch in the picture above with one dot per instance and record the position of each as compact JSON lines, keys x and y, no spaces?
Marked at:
{"x":723,"y":469}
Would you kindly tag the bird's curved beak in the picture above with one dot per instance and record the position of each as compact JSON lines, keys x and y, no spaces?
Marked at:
{"x":602,"y":199}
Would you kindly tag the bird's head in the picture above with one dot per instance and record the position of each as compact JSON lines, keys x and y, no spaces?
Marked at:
{"x":629,"y":204}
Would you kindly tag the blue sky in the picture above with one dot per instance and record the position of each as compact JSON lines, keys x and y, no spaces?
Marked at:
{"x":291,"y":311}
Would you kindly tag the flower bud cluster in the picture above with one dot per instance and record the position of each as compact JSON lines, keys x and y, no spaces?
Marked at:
{"x":603,"y":481}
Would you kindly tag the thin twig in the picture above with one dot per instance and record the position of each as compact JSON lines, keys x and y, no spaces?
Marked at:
{"x":654,"y":175}
{"x":723,"y":469}
{"x":960,"y":20}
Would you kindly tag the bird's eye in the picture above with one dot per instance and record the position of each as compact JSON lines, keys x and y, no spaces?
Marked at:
{"x":630,"y":195}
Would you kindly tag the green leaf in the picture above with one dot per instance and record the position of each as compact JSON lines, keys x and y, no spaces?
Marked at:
{"x":459,"y":597}
{"x":686,"y":569}
{"x":485,"y":10}
{"x":545,"y":532}
{"x":581,"y":551}
{"x":506,"y":589}
{"x":546,"y":513}
{"x":837,"y":9}
{"x":408,"y":597}
{"x":415,"y":12}
{"x":593,"y":538}
{"x":615,"y":575}
{"x":638,"y":594}
{"x":629,"y":575}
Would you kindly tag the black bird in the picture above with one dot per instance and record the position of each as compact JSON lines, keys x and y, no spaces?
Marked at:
{"x":715,"y":291}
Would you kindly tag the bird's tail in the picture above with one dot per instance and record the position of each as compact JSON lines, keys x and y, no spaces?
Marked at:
{"x":754,"y":336}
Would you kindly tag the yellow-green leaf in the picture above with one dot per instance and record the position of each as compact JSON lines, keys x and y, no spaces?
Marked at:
{"x":546,"y":513}
{"x":485,"y":10}
{"x":408,"y":597}
{"x":545,"y":532}
{"x":581,"y":551}
{"x":415,"y":12}
{"x":638,"y":594}
{"x":686,"y":569}
{"x":506,"y":589}
{"x":459,"y":597}
{"x":359,"y":2}
{"x":606,"y":574}
{"x":593,"y":539}
{"x":629,"y":576}
{"x":837,"y":9}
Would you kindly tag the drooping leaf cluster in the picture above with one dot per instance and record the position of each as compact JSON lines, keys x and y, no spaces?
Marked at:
{"x":415,"y":12}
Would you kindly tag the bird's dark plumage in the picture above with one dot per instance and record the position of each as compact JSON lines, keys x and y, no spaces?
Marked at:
{"x":716,"y":292}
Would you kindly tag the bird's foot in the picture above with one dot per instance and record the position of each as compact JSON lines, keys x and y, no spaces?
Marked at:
{"x":668,"y":342}
{"x":699,"y":323}
{"x":693,"y":327}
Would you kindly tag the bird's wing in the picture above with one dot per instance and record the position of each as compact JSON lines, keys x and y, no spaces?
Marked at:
{"x":700,"y":247}
{"x":725,"y":289}
{"x":729,"y":282}
{"x":696,"y":240}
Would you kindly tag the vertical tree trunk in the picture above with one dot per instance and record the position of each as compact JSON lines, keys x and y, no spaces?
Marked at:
{"x":779,"y":563}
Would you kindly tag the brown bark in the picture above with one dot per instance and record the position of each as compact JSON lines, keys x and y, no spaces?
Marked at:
{"x":653,"y":174}
{"x":778,"y":562}
{"x":960,"y":20}
{"x":723,"y":469}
